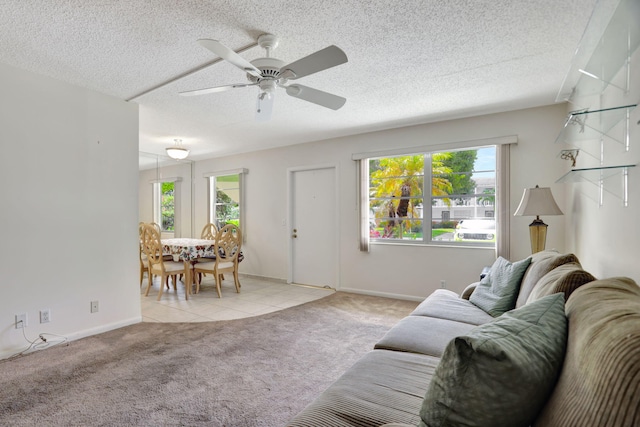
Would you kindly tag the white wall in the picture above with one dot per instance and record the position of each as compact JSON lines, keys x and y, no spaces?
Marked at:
{"x":69,"y":208}
{"x":607,"y":238}
{"x":410,"y":272}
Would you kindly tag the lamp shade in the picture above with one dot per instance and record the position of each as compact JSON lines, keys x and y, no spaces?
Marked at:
{"x":537,"y":201}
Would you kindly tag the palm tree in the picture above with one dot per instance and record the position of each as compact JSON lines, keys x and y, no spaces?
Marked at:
{"x":488,"y":197}
{"x":393,"y":174}
{"x":440,"y":185}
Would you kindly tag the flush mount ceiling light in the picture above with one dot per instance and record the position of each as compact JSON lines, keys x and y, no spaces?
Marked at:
{"x":177,"y":152}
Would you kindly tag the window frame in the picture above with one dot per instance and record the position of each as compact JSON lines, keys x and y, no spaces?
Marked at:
{"x":211,"y":178}
{"x":502,"y":192}
{"x":428,"y":200}
{"x":156,"y":201}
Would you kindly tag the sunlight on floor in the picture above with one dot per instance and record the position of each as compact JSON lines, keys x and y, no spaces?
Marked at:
{"x":256,"y":297}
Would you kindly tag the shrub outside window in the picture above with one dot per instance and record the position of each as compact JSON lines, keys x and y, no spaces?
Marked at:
{"x":164,"y":205}
{"x":226,"y":200}
{"x":168,"y":206}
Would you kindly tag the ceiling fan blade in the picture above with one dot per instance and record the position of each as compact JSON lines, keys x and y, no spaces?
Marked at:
{"x":229,"y":55}
{"x":215,"y":89}
{"x":264,"y":107}
{"x":316,"y":96}
{"x":318,"y":61}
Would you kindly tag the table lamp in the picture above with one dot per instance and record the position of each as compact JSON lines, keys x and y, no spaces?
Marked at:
{"x":535,"y":202}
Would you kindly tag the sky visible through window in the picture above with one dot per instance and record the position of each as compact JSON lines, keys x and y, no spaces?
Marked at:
{"x":485,"y":161}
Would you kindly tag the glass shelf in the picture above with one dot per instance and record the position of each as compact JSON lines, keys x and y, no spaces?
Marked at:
{"x":598,"y":176}
{"x":585,"y":125}
{"x":602,"y":61}
{"x":612,"y":36}
{"x":593,"y":175}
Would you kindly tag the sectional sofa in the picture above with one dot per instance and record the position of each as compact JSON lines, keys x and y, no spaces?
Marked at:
{"x":553,"y":347}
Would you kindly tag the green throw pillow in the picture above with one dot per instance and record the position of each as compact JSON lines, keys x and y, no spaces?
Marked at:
{"x":502,"y":372}
{"x":498,"y":290}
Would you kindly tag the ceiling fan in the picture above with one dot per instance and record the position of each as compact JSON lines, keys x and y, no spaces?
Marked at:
{"x":269,"y":73}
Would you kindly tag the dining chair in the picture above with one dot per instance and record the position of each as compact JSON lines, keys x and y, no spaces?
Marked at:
{"x":227,"y":250}
{"x":209,"y":232}
{"x":152,"y":247}
{"x":159,"y":230}
{"x":144,"y":264}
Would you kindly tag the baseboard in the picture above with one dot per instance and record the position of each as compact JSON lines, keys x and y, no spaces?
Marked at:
{"x":382,"y":294}
{"x":265,"y":278}
{"x":351,"y":290}
{"x":77,"y":335}
{"x":104,"y":328}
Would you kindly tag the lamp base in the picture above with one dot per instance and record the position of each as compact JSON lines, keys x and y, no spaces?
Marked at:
{"x":538,"y":235}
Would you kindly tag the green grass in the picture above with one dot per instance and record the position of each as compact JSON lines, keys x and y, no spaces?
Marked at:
{"x":440,"y":231}
{"x":418,"y":235}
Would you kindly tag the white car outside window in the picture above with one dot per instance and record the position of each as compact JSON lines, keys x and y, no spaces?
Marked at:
{"x":478,"y":230}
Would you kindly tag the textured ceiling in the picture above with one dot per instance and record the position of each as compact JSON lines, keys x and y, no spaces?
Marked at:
{"x":410,"y":62}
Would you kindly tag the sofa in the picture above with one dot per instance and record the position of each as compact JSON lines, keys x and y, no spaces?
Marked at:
{"x":563,"y":351}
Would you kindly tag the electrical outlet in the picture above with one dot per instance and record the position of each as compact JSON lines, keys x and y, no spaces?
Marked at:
{"x":45,"y":315}
{"x":443,"y":284}
{"x":21,"y":321}
{"x":94,"y":306}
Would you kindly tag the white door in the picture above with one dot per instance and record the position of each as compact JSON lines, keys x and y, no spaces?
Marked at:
{"x":313,"y":229}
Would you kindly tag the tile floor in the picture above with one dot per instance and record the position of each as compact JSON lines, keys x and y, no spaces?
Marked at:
{"x":256,"y":297}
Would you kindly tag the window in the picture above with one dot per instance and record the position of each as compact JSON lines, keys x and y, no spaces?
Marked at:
{"x":225,"y":197}
{"x":165,"y":200}
{"x":167,"y":206}
{"x":443,"y":197}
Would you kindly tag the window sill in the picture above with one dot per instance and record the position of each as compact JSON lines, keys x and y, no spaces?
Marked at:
{"x":432,"y":244}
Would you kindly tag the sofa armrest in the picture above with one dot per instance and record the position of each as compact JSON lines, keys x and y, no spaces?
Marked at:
{"x":469,"y":290}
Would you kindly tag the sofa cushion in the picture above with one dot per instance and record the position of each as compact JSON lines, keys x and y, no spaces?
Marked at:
{"x":565,"y":278}
{"x":381,"y":387}
{"x":423,"y":335}
{"x":501,"y":373}
{"x":445,"y":304}
{"x":466,"y":292}
{"x":541,"y":263}
{"x":600,"y":380}
{"x":498,"y":290}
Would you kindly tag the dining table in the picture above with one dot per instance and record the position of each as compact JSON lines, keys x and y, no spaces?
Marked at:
{"x":188,"y":250}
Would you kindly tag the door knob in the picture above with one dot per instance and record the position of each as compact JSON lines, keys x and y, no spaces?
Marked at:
{"x":295,"y":233}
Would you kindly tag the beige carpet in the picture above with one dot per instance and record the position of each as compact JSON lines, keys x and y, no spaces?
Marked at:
{"x":258,"y":371}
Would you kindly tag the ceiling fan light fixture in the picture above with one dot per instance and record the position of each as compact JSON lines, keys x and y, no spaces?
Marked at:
{"x":268,"y":86}
{"x":177,"y":152}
